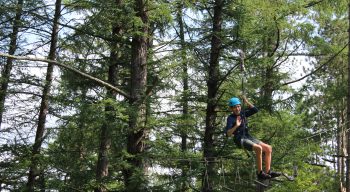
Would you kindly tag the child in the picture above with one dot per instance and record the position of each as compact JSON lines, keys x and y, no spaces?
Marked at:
{"x":237,"y":125}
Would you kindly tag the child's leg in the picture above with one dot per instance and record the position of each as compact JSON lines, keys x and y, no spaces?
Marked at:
{"x":267,"y":149}
{"x":258,"y":152}
{"x":253,"y":144}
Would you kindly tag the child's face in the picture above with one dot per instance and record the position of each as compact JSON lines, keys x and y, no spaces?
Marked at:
{"x":236,"y":109}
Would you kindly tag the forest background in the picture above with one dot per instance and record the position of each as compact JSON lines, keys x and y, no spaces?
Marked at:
{"x":132,"y":95}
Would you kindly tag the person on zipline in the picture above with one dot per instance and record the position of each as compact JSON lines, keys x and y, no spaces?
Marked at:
{"x":237,"y":125}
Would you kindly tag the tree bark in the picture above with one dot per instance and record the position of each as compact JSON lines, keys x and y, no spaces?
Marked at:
{"x":6,"y":72}
{"x":348,"y":111}
{"x":44,"y":106}
{"x":185,"y":92}
{"x":271,"y":44}
{"x":267,"y":89}
{"x":341,"y":148}
{"x":105,"y":135}
{"x":134,"y":176}
{"x":213,"y":84}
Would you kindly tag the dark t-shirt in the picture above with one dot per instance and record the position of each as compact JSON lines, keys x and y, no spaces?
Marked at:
{"x":243,"y":128}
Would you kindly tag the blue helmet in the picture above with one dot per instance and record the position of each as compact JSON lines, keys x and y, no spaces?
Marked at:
{"x":234,"y":101}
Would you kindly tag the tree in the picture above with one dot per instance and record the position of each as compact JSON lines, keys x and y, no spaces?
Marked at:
{"x":134,"y":179}
{"x":213,"y":86}
{"x":6,"y":71}
{"x":109,"y":122}
{"x":329,"y":80}
{"x":348,"y":113}
{"x":34,"y":170}
{"x":141,"y":105}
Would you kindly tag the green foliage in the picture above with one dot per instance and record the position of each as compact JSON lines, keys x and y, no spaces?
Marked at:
{"x":309,"y":179}
{"x":300,"y":123}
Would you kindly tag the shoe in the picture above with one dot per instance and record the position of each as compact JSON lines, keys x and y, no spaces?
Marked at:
{"x":274,"y":174}
{"x":262,"y":175}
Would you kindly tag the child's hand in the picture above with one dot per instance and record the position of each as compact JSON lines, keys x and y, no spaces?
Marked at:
{"x":238,"y":121}
{"x":244,"y":98}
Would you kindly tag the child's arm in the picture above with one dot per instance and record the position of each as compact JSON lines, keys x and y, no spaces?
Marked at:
{"x":245,"y":100}
{"x":233,"y":129}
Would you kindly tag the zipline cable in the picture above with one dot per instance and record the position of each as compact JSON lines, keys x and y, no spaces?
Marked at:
{"x":242,"y":68}
{"x":243,"y":74}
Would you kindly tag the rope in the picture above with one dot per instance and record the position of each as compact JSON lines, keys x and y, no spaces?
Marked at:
{"x":206,"y":177}
{"x":223,"y":175}
{"x":242,"y":56}
{"x":223,"y":171}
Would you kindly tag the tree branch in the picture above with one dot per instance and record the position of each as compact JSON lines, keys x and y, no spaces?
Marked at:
{"x":103,"y":83}
{"x":312,"y":3}
{"x":317,"y":69}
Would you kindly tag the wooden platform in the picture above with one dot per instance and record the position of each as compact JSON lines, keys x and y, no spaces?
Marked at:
{"x":261,"y":185}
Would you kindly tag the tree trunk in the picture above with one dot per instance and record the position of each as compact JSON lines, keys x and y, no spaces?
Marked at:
{"x":184,"y":99}
{"x":44,"y":106}
{"x":269,"y":82}
{"x":6,"y":72}
{"x":348,"y":111}
{"x":267,"y":89}
{"x":212,"y":83}
{"x":133,"y":175}
{"x":341,"y":150}
{"x":341,"y":141}
{"x":105,"y":136}
{"x":271,"y":43}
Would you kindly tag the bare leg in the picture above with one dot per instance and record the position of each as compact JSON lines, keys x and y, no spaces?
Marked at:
{"x":267,"y":149}
{"x":258,"y":152}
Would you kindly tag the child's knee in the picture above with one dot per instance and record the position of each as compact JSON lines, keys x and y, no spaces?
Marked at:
{"x":257,"y":149}
{"x":268,"y":149}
